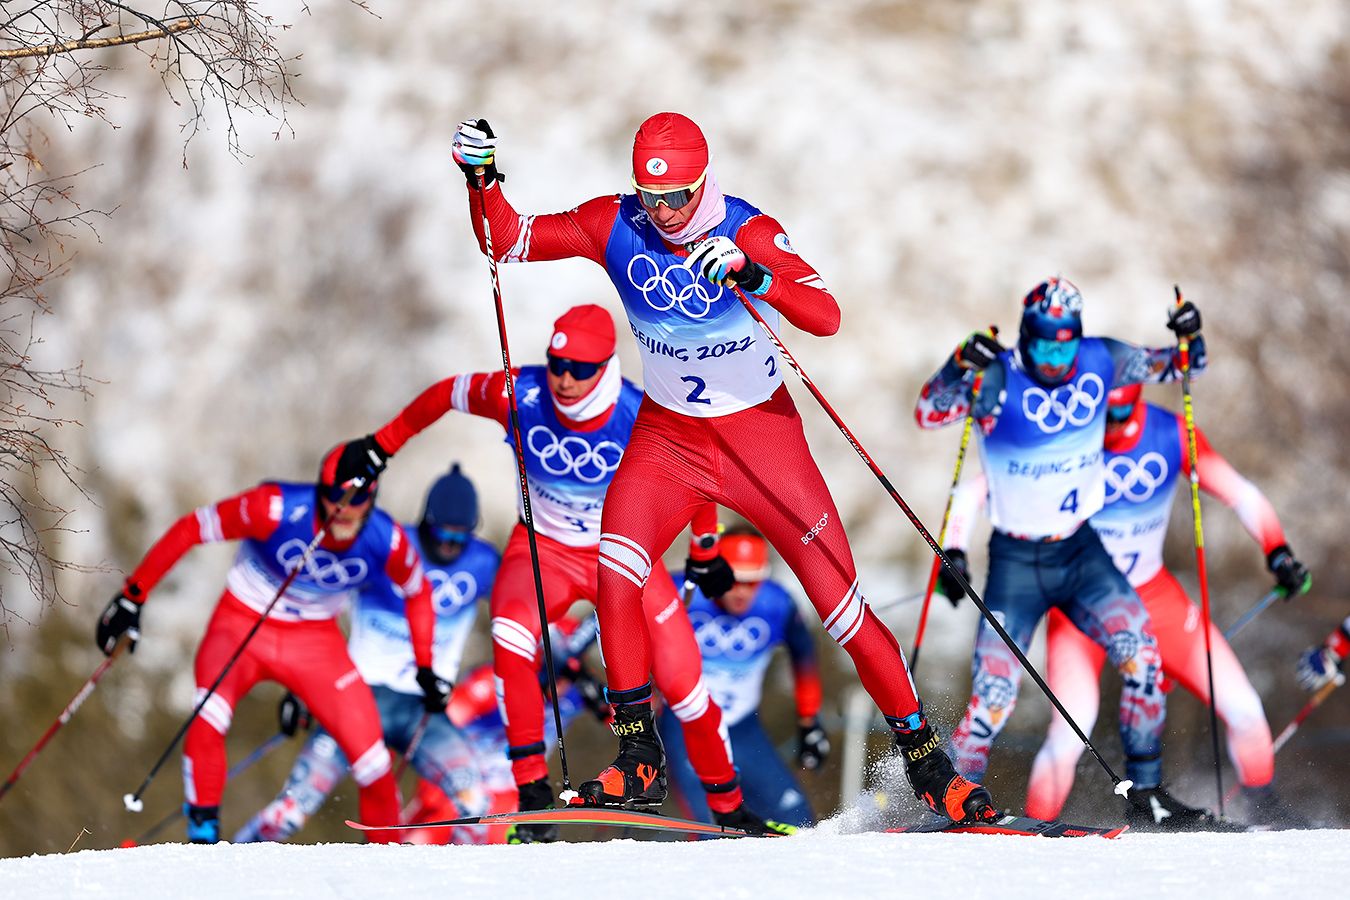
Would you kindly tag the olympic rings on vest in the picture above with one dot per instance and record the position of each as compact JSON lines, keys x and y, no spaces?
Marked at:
{"x":573,"y":455}
{"x":1074,"y":403}
{"x":324,"y":569}
{"x":675,"y":286}
{"x":1135,"y":481}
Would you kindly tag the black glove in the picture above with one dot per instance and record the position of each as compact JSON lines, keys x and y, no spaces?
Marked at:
{"x":292,"y":715}
{"x":474,"y":148}
{"x":373,"y":456}
{"x":978,"y":351}
{"x":121,"y":616}
{"x":713,"y":576}
{"x":813,"y":745}
{"x":435,"y":690}
{"x":1289,"y":573}
{"x":1184,"y":320}
{"x":947,"y":583}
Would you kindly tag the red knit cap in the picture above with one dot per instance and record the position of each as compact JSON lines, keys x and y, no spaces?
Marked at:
{"x":668,"y":151}
{"x":584,"y":333}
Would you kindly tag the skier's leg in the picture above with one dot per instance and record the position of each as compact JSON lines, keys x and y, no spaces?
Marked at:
{"x":688,"y":793}
{"x":1178,"y":623}
{"x":1109,"y":611}
{"x":770,"y":788}
{"x":677,"y":669}
{"x":1073,"y":663}
{"x":317,"y":769}
{"x":1013,"y":593}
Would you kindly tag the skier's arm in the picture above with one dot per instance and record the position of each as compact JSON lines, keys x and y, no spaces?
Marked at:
{"x":805,"y":669}
{"x":967,"y":505}
{"x":795,"y":289}
{"x":480,"y":394}
{"x":582,"y":231}
{"x":252,"y":514}
{"x":1219,"y":478}
{"x":705,"y":568}
{"x":945,"y":397}
{"x":404,"y":568}
{"x":1152,"y":365}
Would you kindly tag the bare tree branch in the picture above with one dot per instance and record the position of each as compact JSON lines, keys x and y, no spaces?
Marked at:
{"x":85,"y":43}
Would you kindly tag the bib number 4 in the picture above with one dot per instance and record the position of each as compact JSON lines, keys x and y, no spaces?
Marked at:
{"x":1070,"y":504}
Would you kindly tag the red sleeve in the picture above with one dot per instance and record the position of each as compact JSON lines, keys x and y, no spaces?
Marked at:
{"x":703,"y":526}
{"x":474,"y":697}
{"x":797,"y":291}
{"x":404,"y":568}
{"x":583,"y":231}
{"x":482,"y":394}
{"x":252,"y":514}
{"x":1219,"y":478}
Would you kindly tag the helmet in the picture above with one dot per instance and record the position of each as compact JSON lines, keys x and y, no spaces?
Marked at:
{"x":1052,"y":324}
{"x":747,"y":554}
{"x":1120,"y":403}
{"x":449,"y":516}
{"x":342,"y":466}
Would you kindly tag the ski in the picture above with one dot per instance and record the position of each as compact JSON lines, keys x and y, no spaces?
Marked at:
{"x":1012,"y":825}
{"x":618,"y":818}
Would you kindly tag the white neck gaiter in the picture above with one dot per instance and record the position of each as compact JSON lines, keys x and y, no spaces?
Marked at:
{"x":712,"y":209}
{"x":602,"y":396}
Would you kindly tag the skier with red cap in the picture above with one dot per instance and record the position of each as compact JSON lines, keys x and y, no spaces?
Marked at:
{"x":1145,"y":457}
{"x":576,"y":415}
{"x":298,"y":644}
{"x":717,"y":424}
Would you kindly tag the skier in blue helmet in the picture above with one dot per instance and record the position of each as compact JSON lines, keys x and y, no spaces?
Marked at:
{"x":1042,"y":419}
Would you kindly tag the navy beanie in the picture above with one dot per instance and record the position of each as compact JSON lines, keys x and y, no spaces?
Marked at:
{"x":452,"y":500}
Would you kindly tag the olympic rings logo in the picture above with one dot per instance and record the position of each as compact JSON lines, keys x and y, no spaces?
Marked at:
{"x":573,"y":455}
{"x":729,"y":637}
{"x":1135,"y":481}
{"x":1074,"y":403}
{"x":325,"y":569}
{"x":675,"y":286}
{"x":451,"y":590}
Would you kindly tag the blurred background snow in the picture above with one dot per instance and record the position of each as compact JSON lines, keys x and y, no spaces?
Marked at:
{"x":933,"y":161}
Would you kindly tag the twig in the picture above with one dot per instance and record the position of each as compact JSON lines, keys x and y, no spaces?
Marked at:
{"x":99,"y":43}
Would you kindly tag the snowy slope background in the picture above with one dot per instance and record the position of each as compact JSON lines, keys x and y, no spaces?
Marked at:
{"x":932,"y":161}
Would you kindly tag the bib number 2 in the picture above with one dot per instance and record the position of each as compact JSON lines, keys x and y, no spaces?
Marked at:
{"x":696,"y":392}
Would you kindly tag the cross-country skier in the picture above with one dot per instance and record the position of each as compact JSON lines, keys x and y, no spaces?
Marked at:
{"x":717,"y":425}
{"x":1145,"y":456}
{"x":1318,"y":666}
{"x":738,"y":632}
{"x":461,"y":568}
{"x":298,"y":644}
{"x":1042,"y":418}
{"x":576,"y":414}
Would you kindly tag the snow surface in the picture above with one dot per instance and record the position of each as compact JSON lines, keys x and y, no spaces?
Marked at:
{"x":812,"y":865}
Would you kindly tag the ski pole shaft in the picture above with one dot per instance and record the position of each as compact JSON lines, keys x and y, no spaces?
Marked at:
{"x":80,"y":696}
{"x":523,"y":476}
{"x":936,"y":568}
{"x":1246,"y":618}
{"x":898,"y":601}
{"x":1120,"y":785}
{"x":1192,"y":455}
{"x":236,"y":770}
{"x":133,"y":801}
{"x":413,"y":744}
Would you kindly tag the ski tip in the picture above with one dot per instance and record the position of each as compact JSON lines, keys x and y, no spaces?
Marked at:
{"x":127,"y":844}
{"x":357,"y":825}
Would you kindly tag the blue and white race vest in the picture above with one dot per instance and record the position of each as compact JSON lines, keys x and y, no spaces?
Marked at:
{"x":381,"y":639}
{"x":1140,"y":485}
{"x":1043,"y":457}
{"x":702,"y":353}
{"x":327,"y":578}
{"x":569,"y":471}
{"x":736,"y":649}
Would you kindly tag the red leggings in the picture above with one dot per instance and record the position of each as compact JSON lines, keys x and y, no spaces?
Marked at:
{"x":755,"y":462}
{"x":569,"y":575}
{"x":310,"y":660}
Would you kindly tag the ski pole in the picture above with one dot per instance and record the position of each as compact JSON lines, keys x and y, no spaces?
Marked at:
{"x":413,"y":744}
{"x":898,"y":601}
{"x":1121,"y":785}
{"x":80,"y":696}
{"x":1275,"y":594}
{"x":1192,"y":455}
{"x":526,"y":514}
{"x":133,"y":802}
{"x":966,"y":429}
{"x":236,"y":770}
{"x":1313,"y":702}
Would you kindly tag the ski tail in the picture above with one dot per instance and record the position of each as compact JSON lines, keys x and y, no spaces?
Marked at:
{"x":1008,"y":824}
{"x":586,"y":815}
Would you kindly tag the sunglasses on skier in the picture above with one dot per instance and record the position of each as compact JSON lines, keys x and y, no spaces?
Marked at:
{"x":579,"y":370}
{"x":448,"y":534}
{"x":334,"y":493}
{"x":675,"y":198}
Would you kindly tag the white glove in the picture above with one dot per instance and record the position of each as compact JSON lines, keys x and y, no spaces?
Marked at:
{"x":718,"y":258}
{"x":475,"y":146}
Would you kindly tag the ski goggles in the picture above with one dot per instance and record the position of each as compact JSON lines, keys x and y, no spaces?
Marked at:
{"x":675,"y":198}
{"x":334,"y":493}
{"x":448,"y":534}
{"x":1053,"y":354}
{"x":578,"y":369}
{"x":1118,"y":414}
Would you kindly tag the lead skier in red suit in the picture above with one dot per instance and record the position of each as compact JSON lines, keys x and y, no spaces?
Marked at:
{"x":576,"y":415}
{"x":299,"y":644}
{"x":717,"y":424}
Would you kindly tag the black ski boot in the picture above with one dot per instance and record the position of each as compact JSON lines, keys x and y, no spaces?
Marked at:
{"x":534,"y":795}
{"x":1153,"y":809}
{"x":203,"y":824}
{"x":638,"y":775}
{"x":1266,"y":810}
{"x":934,"y":779}
{"x":747,"y":821}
